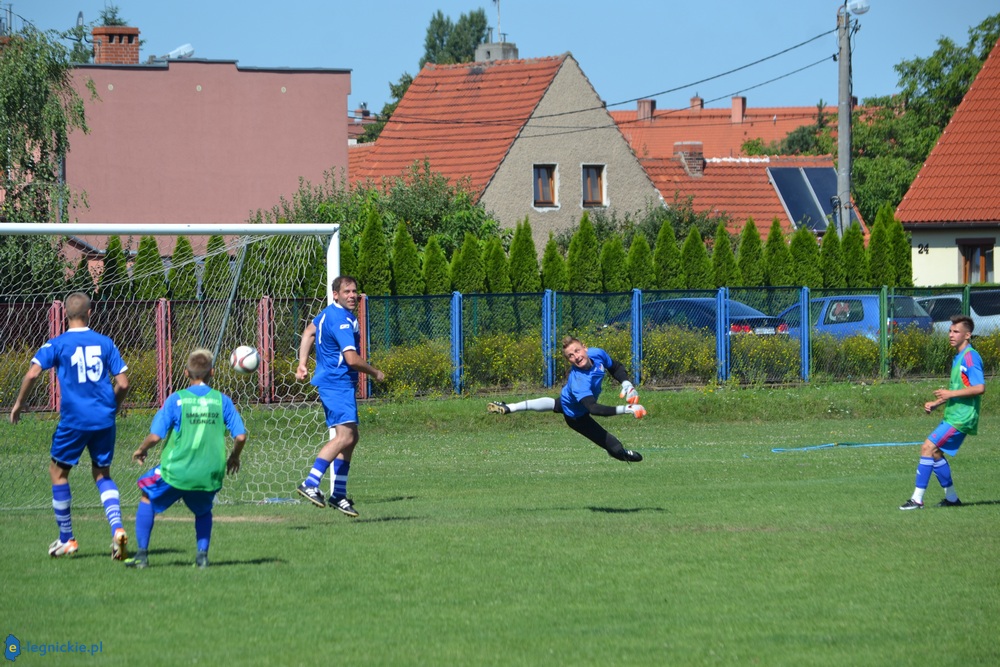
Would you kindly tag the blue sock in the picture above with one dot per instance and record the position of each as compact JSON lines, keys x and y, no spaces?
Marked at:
{"x":144,"y":518}
{"x":943,"y":472}
{"x":61,"y":500}
{"x":317,"y":472}
{"x":340,"y":470}
{"x":924,"y":469}
{"x":109,"y":498}
{"x":203,"y":530}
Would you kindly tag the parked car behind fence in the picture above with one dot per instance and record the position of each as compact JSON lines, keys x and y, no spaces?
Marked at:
{"x":857,"y":315}
{"x":701,"y":313}
{"x":984,"y":308}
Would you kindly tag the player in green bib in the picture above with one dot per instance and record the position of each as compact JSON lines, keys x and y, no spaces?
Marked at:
{"x":961,"y":416}
{"x":193,"y":464}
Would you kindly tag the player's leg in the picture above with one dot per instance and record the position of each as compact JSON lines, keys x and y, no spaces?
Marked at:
{"x":102,"y":452}
{"x":341,"y":468}
{"x":544,"y":404}
{"x":157,"y":497}
{"x":200,"y":503}
{"x":332,"y":401}
{"x":588,"y":427}
{"x":942,"y":470}
{"x":925,"y":467}
{"x":67,"y":445}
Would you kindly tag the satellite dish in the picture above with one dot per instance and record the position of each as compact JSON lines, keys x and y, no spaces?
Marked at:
{"x":858,"y":7}
{"x":183,"y":51}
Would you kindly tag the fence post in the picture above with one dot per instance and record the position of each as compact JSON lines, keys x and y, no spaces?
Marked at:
{"x":966,"y":291}
{"x":164,"y":351}
{"x":457,"y":346}
{"x":636,"y":335}
{"x":805,"y":333}
{"x":265,"y":348}
{"x":722,"y":333}
{"x":57,"y":326}
{"x":883,"y":332}
{"x":548,"y":333}
{"x":364,"y":388}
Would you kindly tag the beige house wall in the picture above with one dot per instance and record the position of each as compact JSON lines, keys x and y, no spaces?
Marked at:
{"x":936,"y":259}
{"x":569,"y":141}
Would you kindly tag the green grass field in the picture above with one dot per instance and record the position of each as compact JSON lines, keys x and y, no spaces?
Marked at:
{"x":488,"y":540}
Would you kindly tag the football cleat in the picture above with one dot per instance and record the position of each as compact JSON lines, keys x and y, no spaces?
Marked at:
{"x":201,"y":560}
{"x":632,"y":456}
{"x":58,"y":548}
{"x":950,"y":503}
{"x":311,"y":493}
{"x":345,"y":505}
{"x":497,"y":408}
{"x":119,"y":545}
{"x":139,"y":561}
{"x":911,"y":504}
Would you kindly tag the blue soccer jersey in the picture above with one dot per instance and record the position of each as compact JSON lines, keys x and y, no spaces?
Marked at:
{"x":84,"y":361}
{"x":336,"y":332}
{"x":581,"y":384}
{"x":169,"y":416}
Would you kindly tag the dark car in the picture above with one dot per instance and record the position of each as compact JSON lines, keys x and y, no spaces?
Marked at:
{"x":857,"y":315}
{"x":701,"y":313}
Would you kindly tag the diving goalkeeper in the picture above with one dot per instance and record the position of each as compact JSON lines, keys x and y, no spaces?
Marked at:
{"x":578,"y":401}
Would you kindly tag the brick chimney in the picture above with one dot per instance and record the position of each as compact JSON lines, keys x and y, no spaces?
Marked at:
{"x":645,"y":109}
{"x":692,"y":157}
{"x":116,"y":45}
{"x":697,"y":104}
{"x":739,"y":109}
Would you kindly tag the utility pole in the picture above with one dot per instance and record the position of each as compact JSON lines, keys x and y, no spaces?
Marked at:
{"x":845,"y":105}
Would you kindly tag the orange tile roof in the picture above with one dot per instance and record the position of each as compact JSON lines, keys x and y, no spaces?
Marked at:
{"x":714,"y":128}
{"x":462,"y":119}
{"x":738,"y":187}
{"x":960,"y":180}
{"x":357,"y":156}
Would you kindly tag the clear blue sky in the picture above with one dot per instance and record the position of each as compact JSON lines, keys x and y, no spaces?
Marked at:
{"x":628,"y":49}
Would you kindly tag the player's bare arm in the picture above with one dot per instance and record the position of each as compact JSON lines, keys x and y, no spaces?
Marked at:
{"x":305,"y":346}
{"x":358,"y":364}
{"x":233,"y":463}
{"x":34,"y":372}
{"x":139,"y":455}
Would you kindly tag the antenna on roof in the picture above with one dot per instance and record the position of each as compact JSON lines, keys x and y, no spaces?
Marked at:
{"x":499,"y":33}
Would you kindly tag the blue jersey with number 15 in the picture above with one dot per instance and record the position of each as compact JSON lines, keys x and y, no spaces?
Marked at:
{"x":84,"y":361}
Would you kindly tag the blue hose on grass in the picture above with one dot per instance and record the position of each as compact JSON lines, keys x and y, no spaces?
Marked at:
{"x":779,"y":450}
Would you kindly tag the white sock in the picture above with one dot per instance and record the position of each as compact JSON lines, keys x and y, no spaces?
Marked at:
{"x":918,"y":495}
{"x":950,"y":494}
{"x":534,"y":404}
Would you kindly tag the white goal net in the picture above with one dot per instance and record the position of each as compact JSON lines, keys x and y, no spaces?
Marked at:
{"x":159,"y":291}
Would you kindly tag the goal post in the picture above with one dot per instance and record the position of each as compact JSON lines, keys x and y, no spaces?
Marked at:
{"x":170,"y":289}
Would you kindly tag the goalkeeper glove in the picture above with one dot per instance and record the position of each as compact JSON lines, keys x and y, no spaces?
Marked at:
{"x":629,"y":393}
{"x":636,"y":410}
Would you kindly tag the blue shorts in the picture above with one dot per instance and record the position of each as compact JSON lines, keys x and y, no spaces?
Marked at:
{"x":161,"y":495}
{"x":340,"y":405}
{"x":68,"y":444}
{"x":947,"y":438}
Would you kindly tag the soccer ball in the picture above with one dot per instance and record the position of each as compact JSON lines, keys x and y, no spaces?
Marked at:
{"x":244,"y":359}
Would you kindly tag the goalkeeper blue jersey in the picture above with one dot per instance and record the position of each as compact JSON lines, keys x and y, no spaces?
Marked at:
{"x":336,"y":332}
{"x":85,"y":361}
{"x":581,"y":384}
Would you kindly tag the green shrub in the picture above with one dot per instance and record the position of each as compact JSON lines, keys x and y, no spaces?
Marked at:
{"x":504,"y":360}
{"x":415,"y":369}
{"x":759,"y":359}
{"x":988,"y":347}
{"x":919,"y":353}
{"x":855,"y":357}
{"x":675,"y":355}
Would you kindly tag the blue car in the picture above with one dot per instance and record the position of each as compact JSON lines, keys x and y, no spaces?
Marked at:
{"x":701,"y":312}
{"x":857,"y":315}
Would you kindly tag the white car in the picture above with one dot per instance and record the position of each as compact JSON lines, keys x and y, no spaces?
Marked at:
{"x":984,"y":308}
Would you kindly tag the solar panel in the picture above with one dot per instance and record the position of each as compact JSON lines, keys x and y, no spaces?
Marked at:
{"x":806,"y":194}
